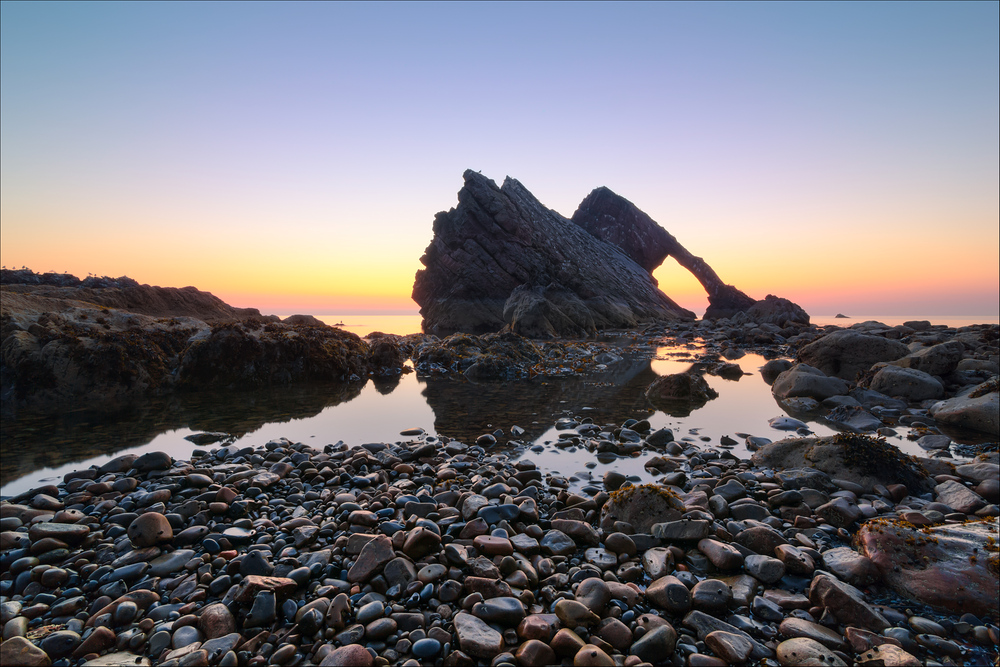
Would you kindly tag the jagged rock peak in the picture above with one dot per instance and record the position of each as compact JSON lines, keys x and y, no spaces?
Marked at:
{"x":501,"y":259}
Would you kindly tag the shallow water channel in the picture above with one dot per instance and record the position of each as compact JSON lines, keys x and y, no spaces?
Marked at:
{"x":38,"y":449}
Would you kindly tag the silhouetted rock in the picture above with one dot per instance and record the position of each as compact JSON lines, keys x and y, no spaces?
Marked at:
{"x":103,"y":343}
{"x":772,"y":310}
{"x":499,"y":239}
{"x":612,"y":218}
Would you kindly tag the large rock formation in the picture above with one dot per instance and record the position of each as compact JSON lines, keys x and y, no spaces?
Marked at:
{"x":500,"y":258}
{"x":106,"y":342}
{"x":614,"y":219}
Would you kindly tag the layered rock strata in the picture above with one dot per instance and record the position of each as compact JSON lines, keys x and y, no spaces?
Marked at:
{"x":502,"y":259}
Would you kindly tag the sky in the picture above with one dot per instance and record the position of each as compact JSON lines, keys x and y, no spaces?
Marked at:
{"x":292,"y":156}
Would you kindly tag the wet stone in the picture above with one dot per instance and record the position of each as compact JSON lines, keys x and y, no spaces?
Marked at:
{"x":506,"y":611}
{"x":804,"y":652}
{"x":670,"y":593}
{"x":20,"y":651}
{"x":710,"y":595}
{"x":185,"y":636}
{"x":655,"y":644}
{"x":732,"y":648}
{"x":532,"y":653}
{"x":722,"y":556}
{"x":797,"y":627}
{"x":766,"y":569}
{"x":60,"y":644}
{"x":477,"y":638}
{"x":557,"y":543}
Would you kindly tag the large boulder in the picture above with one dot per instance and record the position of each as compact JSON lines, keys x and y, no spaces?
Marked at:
{"x":856,"y":458}
{"x":773,"y":310}
{"x":908,"y":383}
{"x":804,"y":380}
{"x":949,"y":566}
{"x":939,"y":359}
{"x":978,"y":410}
{"x":500,"y":238}
{"x":845,"y":353}
{"x":550,"y":311}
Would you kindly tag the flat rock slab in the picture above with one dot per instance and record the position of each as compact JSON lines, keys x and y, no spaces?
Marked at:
{"x":374,"y":555}
{"x":477,"y":638}
{"x":117,"y":659}
{"x":70,"y":533}
{"x":845,"y":602}
{"x":937,"y":565}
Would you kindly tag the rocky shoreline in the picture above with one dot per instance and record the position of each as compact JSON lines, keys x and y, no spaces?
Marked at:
{"x":428,"y":551}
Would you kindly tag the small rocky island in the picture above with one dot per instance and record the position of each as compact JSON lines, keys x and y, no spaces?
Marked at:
{"x":431,"y":550}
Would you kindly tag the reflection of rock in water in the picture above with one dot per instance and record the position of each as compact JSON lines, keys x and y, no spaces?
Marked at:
{"x":465,"y":410}
{"x":385,"y":384}
{"x":44,"y":441}
{"x":680,"y":394}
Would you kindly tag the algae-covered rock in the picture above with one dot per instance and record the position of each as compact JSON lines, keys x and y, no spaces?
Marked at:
{"x":860,"y":459}
{"x":238,"y":354}
{"x":641,"y":507}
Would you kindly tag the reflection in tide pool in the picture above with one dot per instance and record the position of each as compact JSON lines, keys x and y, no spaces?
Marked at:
{"x":42,"y":448}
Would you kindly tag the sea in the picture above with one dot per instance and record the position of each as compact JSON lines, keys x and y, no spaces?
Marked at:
{"x":40,"y":449}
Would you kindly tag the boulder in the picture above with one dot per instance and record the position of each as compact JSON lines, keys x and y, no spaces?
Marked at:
{"x":979,"y":410}
{"x":939,"y":359}
{"x":804,"y":380}
{"x":641,"y":507}
{"x":551,"y":311}
{"x":846,"y":352}
{"x":500,"y":238}
{"x":853,"y":418}
{"x":238,"y":354}
{"x":477,"y":638}
{"x":860,"y":459}
{"x":845,"y":602}
{"x":772,"y":310}
{"x":908,"y":383}
{"x":949,"y":566}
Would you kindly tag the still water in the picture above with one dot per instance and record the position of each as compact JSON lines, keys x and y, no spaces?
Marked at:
{"x":38,"y":449}
{"x":407,"y":324}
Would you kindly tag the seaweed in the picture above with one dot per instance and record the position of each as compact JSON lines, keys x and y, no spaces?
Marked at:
{"x":874,"y":456}
{"x":990,"y":386}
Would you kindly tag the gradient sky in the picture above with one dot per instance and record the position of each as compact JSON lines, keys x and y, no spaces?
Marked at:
{"x":291,"y":157}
